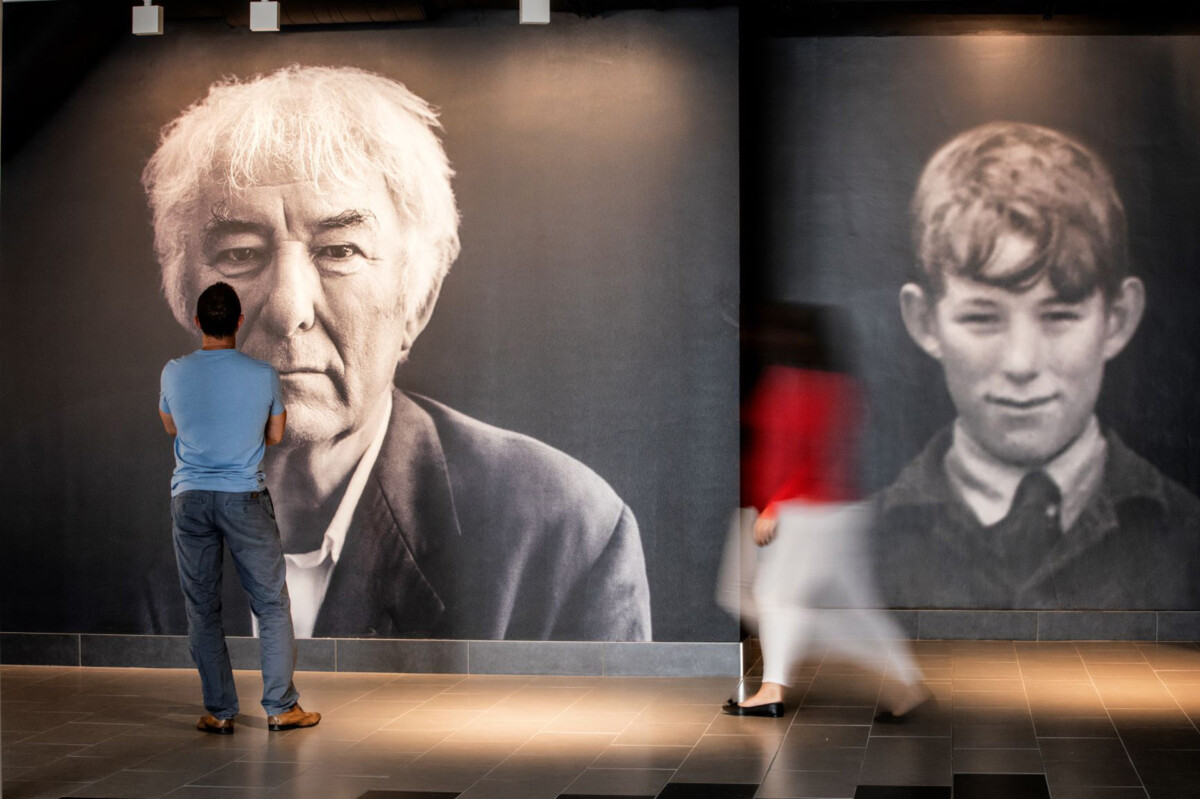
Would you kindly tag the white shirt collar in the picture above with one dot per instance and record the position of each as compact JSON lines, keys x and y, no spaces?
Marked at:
{"x":988,"y":485}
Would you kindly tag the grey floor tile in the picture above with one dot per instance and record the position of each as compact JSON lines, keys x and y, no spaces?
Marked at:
{"x":1081,"y":750}
{"x":39,"y":790}
{"x":833,"y":715}
{"x":738,"y":746}
{"x":642,"y":757}
{"x":251,"y":774}
{"x":430,"y":777}
{"x":1093,"y":774}
{"x":207,"y":792}
{"x":515,"y":789}
{"x":75,"y":769}
{"x":308,"y":786}
{"x":1069,"y":727}
{"x":994,"y":736}
{"x":825,"y":737}
{"x":786,"y":784}
{"x":134,"y":785}
{"x":722,"y":770}
{"x":620,"y":782}
{"x":83,"y":733}
{"x":27,"y":754}
{"x":907,"y":761}
{"x":804,"y":759}
{"x":997,"y":761}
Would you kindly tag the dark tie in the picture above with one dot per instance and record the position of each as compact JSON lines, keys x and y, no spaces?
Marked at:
{"x":1024,"y":538}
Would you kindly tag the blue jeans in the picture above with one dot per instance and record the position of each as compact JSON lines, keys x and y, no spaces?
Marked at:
{"x":204,"y":521}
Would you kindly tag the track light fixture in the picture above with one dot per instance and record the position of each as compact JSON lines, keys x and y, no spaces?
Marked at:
{"x":147,"y":19}
{"x":535,"y":12}
{"x":264,"y":15}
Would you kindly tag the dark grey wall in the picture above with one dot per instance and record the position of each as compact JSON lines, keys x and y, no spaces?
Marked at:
{"x":593,"y":307}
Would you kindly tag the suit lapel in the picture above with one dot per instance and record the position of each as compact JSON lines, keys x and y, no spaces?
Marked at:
{"x":391,"y":578}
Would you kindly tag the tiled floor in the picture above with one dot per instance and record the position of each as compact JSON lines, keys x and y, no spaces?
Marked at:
{"x":1014,"y":721}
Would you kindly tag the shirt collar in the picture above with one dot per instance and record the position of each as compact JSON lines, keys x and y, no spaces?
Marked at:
{"x":987,"y":485}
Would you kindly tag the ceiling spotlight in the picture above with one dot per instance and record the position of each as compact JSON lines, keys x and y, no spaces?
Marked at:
{"x":535,"y":12}
{"x":147,"y":20}
{"x":264,"y":15}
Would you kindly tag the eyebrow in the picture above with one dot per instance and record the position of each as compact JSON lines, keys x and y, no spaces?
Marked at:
{"x":353,"y":217}
{"x":222,"y":225}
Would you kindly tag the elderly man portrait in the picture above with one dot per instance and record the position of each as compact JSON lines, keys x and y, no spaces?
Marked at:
{"x":323,"y":196}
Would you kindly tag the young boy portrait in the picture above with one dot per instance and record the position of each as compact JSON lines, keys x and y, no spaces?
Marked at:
{"x":1023,"y":291}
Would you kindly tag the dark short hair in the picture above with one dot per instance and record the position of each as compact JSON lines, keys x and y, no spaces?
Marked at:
{"x":218,"y":310}
{"x":1014,"y":179}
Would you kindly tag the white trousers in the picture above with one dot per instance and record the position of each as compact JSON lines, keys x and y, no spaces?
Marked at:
{"x":810,"y":587}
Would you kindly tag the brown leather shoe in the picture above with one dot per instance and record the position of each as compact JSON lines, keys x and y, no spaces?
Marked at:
{"x":292,"y":719}
{"x":215,"y":725}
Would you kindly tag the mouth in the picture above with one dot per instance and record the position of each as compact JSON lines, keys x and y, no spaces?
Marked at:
{"x":1015,"y":404}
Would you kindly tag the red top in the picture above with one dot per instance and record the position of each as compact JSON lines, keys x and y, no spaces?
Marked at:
{"x":801,"y":427}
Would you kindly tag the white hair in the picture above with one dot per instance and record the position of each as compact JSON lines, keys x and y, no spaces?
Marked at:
{"x":314,"y":124}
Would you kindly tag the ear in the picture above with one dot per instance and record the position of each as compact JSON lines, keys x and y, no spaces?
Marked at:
{"x":417,"y":319}
{"x":241,"y":318}
{"x":917,"y":310}
{"x":196,"y":322}
{"x":1123,"y":314}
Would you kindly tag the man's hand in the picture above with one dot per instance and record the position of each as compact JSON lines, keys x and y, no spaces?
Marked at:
{"x":168,"y":422}
{"x":275,"y":425}
{"x":764,"y":530}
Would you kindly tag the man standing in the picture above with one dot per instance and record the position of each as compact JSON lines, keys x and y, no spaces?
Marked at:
{"x":323,"y":196}
{"x":224,"y":408}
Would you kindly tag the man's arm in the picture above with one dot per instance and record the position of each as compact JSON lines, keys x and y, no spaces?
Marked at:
{"x":168,"y":422}
{"x":275,"y":426}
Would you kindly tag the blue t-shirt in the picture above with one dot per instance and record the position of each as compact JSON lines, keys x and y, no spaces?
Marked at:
{"x":220,"y":401}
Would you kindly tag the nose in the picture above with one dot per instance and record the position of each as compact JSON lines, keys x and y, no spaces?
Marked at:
{"x":290,"y":304}
{"x":1023,"y":352}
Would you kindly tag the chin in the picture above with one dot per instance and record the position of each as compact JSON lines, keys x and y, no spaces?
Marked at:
{"x":312,"y":426}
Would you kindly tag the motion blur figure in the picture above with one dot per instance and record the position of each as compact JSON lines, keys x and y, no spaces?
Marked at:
{"x":796,"y":566}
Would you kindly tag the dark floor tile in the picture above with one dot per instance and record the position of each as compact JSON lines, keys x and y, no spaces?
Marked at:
{"x":994,"y":736}
{"x":1099,"y":793}
{"x":1081,"y":750}
{"x":1094,"y":774}
{"x":703,"y":790}
{"x":1000,"y":786}
{"x":907,"y":761}
{"x":1075,"y":728}
{"x":408,"y":795}
{"x":1136,"y":738}
{"x":997,"y":761}
{"x":902,"y":792}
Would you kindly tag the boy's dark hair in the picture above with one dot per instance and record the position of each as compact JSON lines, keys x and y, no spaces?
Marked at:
{"x":218,"y":310}
{"x":1010,"y":179}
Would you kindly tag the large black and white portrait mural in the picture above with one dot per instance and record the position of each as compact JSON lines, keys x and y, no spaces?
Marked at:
{"x":1010,"y":222}
{"x":497,"y":273}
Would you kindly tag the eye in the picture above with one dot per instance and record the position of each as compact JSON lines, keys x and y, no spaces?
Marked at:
{"x":238,"y":260}
{"x":1061,"y":316}
{"x":338,"y":252}
{"x":978,"y":319}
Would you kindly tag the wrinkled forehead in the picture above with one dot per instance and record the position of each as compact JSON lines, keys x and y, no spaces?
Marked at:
{"x":297,"y":198}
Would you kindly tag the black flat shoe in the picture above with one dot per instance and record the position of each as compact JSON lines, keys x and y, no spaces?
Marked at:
{"x":772,"y":710}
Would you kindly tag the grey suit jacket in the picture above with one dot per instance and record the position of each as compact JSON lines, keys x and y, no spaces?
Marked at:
{"x":468,"y":531}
